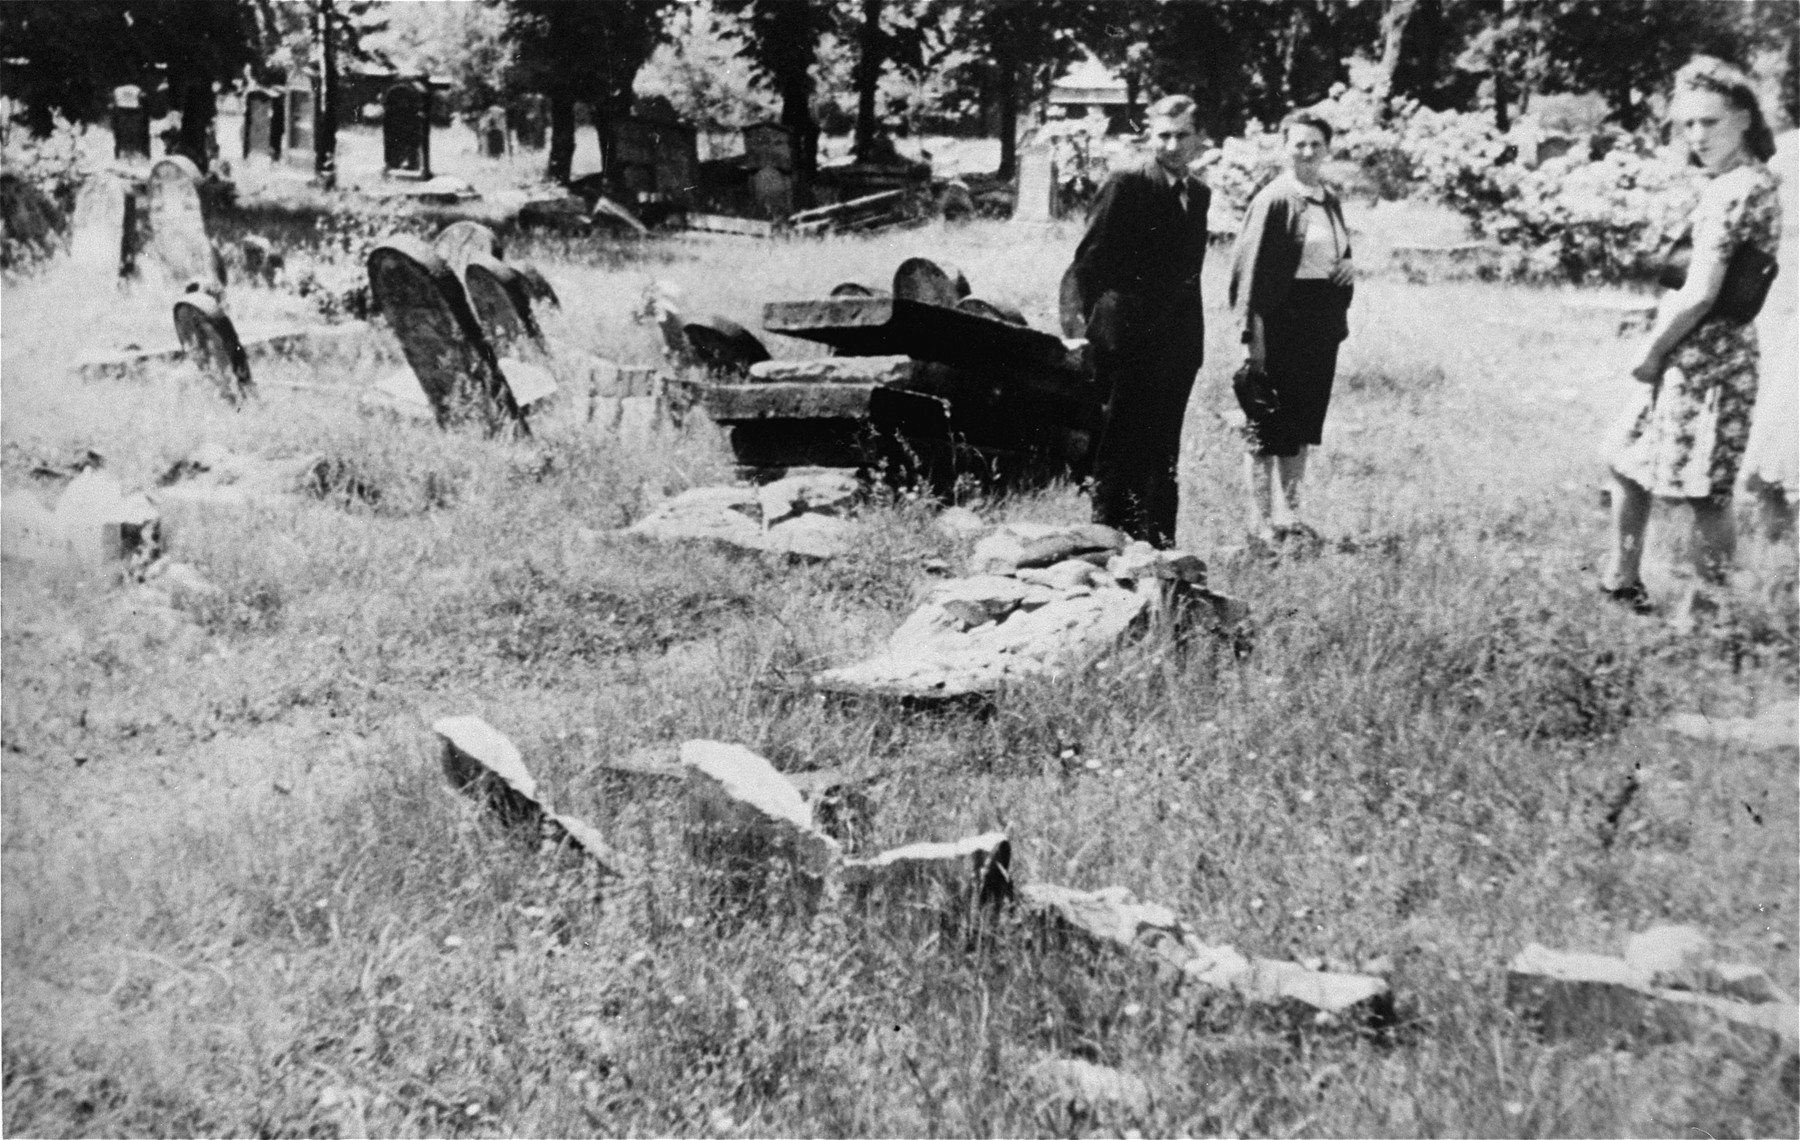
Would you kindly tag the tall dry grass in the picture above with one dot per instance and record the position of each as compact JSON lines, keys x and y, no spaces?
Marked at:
{"x":238,"y":898}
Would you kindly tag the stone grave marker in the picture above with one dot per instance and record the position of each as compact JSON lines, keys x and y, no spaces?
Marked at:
{"x":211,"y":342}
{"x":930,"y":282}
{"x":97,"y":232}
{"x":502,"y":303}
{"x":299,"y":123}
{"x":722,"y":345}
{"x":177,"y":227}
{"x":130,"y":123}
{"x":1068,"y":306}
{"x":539,"y":286}
{"x":457,"y":242}
{"x":1037,"y":185}
{"x":262,"y":125}
{"x":992,"y":309}
{"x":406,"y":130}
{"x":424,"y":302}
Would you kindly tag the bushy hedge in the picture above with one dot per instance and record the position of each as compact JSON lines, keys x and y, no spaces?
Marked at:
{"x":1572,"y":218}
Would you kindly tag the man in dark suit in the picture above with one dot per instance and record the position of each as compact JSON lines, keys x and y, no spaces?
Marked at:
{"x":1137,"y":272}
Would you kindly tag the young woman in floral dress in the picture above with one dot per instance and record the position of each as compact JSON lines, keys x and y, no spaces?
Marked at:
{"x":1685,"y":430}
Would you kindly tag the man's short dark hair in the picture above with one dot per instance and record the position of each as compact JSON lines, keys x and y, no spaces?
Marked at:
{"x":1171,"y":107}
{"x":1307,"y":119}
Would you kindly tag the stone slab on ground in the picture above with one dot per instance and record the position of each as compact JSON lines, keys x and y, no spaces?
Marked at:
{"x":818,"y":492}
{"x":481,"y":762}
{"x":1021,"y":545}
{"x":1085,"y":1089}
{"x":936,"y":653}
{"x":734,"y":516}
{"x":1774,"y":729}
{"x":214,"y":476}
{"x":945,"y":880}
{"x":1581,"y":996}
{"x":836,"y":370}
{"x":1113,"y":918}
{"x":733,"y":403}
{"x":896,"y":326}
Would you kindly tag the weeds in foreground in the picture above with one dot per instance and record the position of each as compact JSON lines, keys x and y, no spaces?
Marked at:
{"x":239,"y":899}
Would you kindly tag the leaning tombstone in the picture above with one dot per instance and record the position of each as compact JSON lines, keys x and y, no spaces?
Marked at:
{"x":502,"y":303}
{"x":211,"y":342}
{"x":424,"y":302}
{"x":458,"y":242}
{"x":930,"y":282}
{"x":1068,"y":305}
{"x":177,"y":227}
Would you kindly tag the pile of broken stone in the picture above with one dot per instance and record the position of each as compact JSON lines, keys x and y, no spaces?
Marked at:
{"x":742,"y":809}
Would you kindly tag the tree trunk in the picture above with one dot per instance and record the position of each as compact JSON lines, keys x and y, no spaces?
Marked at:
{"x":1502,"y":92}
{"x":325,"y":115}
{"x":797,"y":117}
{"x":1394,"y":18}
{"x":1008,"y":95}
{"x":562,"y":136}
{"x":868,"y":75}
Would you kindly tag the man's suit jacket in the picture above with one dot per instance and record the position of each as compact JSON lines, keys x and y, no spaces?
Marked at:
{"x":1137,"y":269}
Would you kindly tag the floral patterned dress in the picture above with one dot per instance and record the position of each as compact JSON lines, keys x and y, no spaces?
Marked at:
{"x":1684,"y":436}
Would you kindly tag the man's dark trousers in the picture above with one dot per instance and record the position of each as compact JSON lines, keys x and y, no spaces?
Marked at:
{"x":1138,"y":269}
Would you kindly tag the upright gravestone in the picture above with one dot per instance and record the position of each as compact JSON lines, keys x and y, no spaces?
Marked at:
{"x":492,"y":130}
{"x":130,"y":123}
{"x":262,"y":125}
{"x":406,"y":130}
{"x":1037,"y":185}
{"x":539,"y":286}
{"x":423,"y":301}
{"x":177,"y":227}
{"x":97,"y":232}
{"x":502,"y":302}
{"x":460,"y":242}
{"x":299,"y":122}
{"x":526,"y":119}
{"x":212,"y":344}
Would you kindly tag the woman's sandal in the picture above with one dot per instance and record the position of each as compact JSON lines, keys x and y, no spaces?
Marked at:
{"x":1633,"y":597}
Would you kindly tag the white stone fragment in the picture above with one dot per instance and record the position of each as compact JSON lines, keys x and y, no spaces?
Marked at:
{"x":477,"y":757}
{"x":1088,"y":1088}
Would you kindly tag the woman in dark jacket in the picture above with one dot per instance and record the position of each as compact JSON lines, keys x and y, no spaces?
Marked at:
{"x":1290,"y":286}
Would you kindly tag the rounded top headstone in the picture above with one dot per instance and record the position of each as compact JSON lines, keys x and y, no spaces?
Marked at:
{"x":930,"y":282}
{"x":993,"y":310}
{"x":458,"y":242}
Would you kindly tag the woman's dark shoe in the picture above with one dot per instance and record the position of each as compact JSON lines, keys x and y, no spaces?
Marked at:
{"x":1633,"y":597}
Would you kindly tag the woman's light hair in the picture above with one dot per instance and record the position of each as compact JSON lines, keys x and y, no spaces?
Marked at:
{"x":1714,"y":76}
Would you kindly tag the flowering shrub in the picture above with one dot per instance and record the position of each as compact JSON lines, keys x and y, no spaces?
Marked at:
{"x":1573,"y":218}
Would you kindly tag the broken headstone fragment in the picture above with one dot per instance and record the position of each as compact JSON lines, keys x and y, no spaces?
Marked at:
{"x":480,"y":762}
{"x":460,"y":242}
{"x":211,"y":343}
{"x":1597,"y":997}
{"x":944,"y":880}
{"x":721,"y":345}
{"x":1020,"y":545}
{"x":96,"y":522}
{"x":1777,"y":727}
{"x":748,"y":820}
{"x":821,"y":492}
{"x":1085,"y":1089}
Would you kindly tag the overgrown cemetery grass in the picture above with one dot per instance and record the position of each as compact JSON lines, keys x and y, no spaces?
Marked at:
{"x":239,"y":898}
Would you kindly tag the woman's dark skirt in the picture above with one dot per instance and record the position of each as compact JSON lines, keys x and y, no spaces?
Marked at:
{"x":1301,"y":342}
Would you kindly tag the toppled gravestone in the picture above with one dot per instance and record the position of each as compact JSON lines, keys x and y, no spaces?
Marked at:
{"x":800,"y":516}
{"x":1113,"y":919}
{"x":1043,"y":600}
{"x":748,"y":821}
{"x":1582,"y":996}
{"x":212,"y":476}
{"x":482,"y":763}
{"x":94,"y":523}
{"x":942,"y":883}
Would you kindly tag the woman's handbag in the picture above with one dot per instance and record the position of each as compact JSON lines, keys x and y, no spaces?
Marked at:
{"x":1254,"y":393}
{"x":1748,"y":276}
